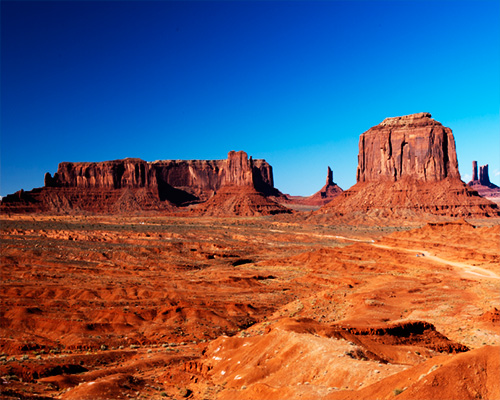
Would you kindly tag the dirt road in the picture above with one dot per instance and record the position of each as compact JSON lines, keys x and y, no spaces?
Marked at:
{"x":466,"y":268}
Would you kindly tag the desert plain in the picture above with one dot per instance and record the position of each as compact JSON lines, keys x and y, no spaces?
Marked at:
{"x":272,"y":307}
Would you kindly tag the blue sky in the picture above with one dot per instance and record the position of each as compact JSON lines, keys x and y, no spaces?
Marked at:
{"x":293,"y":82}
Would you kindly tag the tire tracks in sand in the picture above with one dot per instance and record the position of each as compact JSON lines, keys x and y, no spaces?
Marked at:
{"x":466,"y":268}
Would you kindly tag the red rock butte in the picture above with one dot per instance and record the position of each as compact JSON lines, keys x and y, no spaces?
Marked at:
{"x":408,"y":165}
{"x":198,"y":178}
{"x":413,"y":146}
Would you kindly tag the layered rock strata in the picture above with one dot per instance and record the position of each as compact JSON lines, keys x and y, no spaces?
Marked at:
{"x":135,"y":184}
{"x":414,"y":146}
{"x":408,"y":165}
{"x":199,"y":178}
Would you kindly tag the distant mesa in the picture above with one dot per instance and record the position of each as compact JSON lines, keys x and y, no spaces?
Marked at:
{"x":408,"y":165}
{"x":481,"y":183}
{"x":134,"y":185}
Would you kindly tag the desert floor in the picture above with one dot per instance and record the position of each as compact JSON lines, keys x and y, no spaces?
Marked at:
{"x":151,"y":307}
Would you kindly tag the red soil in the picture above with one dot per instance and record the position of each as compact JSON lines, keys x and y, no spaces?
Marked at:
{"x":248,"y":308}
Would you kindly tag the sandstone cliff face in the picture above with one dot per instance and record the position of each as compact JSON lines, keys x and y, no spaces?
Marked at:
{"x":408,"y":166}
{"x":200,"y":178}
{"x":413,"y":146}
{"x":134,"y":184}
{"x":238,"y":170}
{"x":117,"y":174}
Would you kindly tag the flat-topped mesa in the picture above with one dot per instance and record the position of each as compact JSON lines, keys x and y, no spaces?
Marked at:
{"x":134,"y":183}
{"x":199,"y":178}
{"x":412,"y":146}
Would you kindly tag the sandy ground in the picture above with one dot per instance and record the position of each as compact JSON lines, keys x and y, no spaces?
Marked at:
{"x":247,"y":308}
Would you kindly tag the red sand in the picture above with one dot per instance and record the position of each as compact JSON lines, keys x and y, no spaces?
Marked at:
{"x":247,"y":308}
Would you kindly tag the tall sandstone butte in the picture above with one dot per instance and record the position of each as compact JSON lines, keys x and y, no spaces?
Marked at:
{"x":133,"y":184}
{"x":414,"y":146}
{"x":408,"y":165}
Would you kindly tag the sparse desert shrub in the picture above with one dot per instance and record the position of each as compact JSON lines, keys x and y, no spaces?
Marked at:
{"x":184,"y":392}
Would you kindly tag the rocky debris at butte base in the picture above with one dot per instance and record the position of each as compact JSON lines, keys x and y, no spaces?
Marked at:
{"x":242,"y":200}
{"x":408,"y":165}
{"x":135,"y":185}
{"x":481,"y":183}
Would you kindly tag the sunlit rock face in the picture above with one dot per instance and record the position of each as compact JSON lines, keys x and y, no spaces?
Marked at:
{"x":133,"y":184}
{"x":413,"y":146}
{"x":408,"y":166}
{"x":198,"y":177}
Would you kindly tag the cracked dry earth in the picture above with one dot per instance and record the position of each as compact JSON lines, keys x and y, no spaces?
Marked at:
{"x":247,"y":308}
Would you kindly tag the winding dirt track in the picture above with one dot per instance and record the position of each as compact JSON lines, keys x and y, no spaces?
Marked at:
{"x":466,"y":268}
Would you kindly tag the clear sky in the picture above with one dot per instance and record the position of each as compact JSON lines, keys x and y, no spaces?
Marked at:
{"x":294,"y":82}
